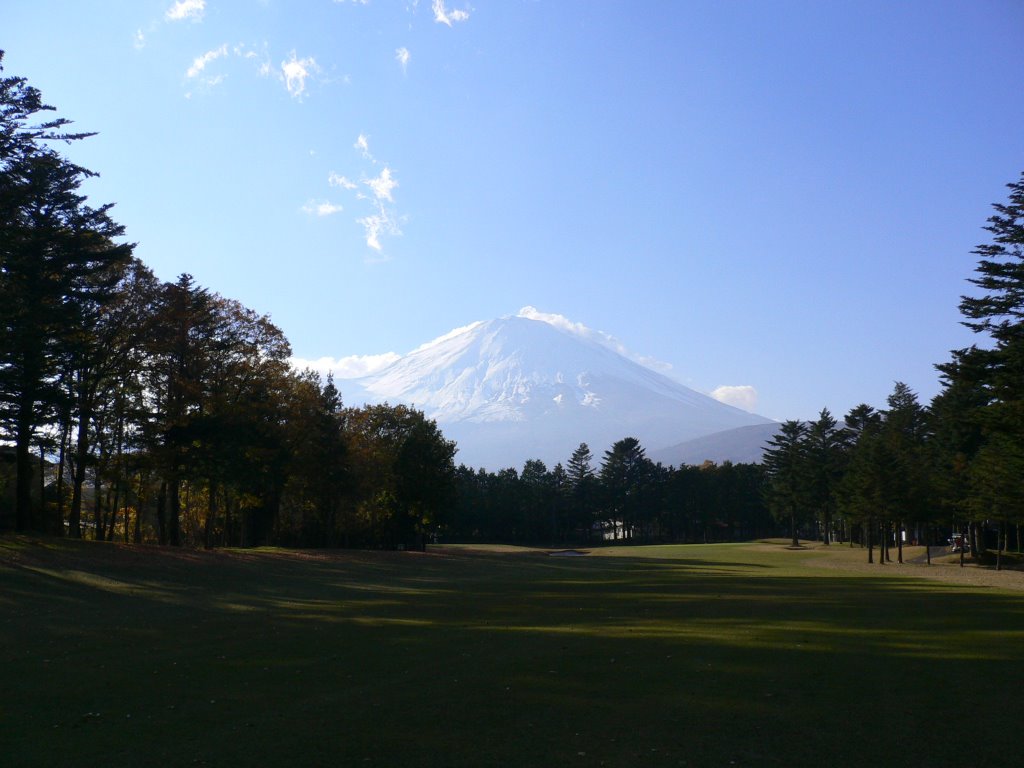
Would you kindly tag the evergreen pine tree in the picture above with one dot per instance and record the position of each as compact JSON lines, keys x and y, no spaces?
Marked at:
{"x":983,"y":398}
{"x":57,"y":263}
{"x":827,"y":446}
{"x":785,"y":463}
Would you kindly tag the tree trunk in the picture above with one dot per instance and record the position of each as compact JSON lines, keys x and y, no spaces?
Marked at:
{"x":97,"y":500}
{"x":77,"y":481}
{"x":187,"y":522}
{"x":211,"y":511}
{"x":869,"y":531}
{"x":23,"y":482}
{"x":61,"y":457}
{"x":161,"y":514}
{"x":329,"y":537}
{"x":1000,"y":540}
{"x":225,"y":534}
{"x":24,"y":422}
{"x":128,"y":505}
{"x":78,"y":476}
{"x":42,"y":485}
{"x":173,"y":513}
{"x":899,"y":543}
{"x":792,"y":529}
{"x":977,"y":540}
{"x":139,"y":497}
{"x":114,"y":508}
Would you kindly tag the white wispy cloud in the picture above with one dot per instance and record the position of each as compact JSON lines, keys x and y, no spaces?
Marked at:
{"x":373,"y":225}
{"x":295,"y":72}
{"x":350,"y":367}
{"x":443,"y":16}
{"x":382,"y":185}
{"x":363,"y":145}
{"x":259,"y":56}
{"x":186,"y":9}
{"x":322,"y":208}
{"x":139,"y":40}
{"x":337,"y":180}
{"x":382,"y":222}
{"x":742,"y":396}
{"x":559,"y":321}
{"x":375,"y":197}
{"x":402,"y":56}
{"x":200,"y":62}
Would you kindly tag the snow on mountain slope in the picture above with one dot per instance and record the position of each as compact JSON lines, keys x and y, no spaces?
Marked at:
{"x":522,"y":387}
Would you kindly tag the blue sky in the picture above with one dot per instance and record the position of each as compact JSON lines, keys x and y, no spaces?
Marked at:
{"x":774,"y":195}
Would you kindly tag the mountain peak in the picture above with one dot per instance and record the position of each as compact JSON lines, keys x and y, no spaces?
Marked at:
{"x":536,"y":385}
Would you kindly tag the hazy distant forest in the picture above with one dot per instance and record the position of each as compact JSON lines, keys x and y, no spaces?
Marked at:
{"x":139,"y":410}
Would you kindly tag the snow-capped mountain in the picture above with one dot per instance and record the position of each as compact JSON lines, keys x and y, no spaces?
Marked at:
{"x":522,"y":387}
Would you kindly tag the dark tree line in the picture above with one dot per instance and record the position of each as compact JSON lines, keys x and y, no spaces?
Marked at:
{"x":144,"y":410}
{"x":908,"y":472}
{"x":923,"y":472}
{"x":627,"y":498}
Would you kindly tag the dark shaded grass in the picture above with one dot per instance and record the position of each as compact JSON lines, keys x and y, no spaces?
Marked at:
{"x":724,"y":655}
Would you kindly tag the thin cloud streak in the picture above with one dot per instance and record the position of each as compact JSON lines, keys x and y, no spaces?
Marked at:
{"x":336,"y":180}
{"x":349,"y":367}
{"x":200,"y":62}
{"x":322,"y":208}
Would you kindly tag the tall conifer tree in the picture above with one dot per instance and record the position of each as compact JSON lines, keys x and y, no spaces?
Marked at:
{"x":58,"y":259}
{"x":984,"y":385}
{"x":785,"y":463}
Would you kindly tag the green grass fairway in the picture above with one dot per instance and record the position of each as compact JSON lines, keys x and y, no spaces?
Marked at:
{"x":711,"y":655}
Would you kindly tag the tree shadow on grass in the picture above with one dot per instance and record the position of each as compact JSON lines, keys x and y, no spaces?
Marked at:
{"x":498,"y":661}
